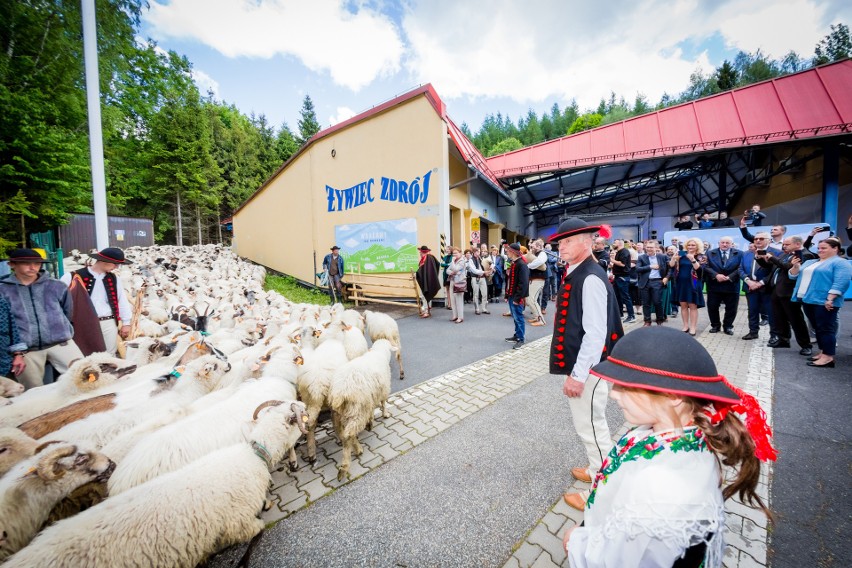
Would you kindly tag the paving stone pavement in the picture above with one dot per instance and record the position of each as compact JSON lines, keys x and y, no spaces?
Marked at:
{"x":424,"y":411}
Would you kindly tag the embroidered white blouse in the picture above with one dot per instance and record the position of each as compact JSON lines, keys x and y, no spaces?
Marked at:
{"x":656,"y":494}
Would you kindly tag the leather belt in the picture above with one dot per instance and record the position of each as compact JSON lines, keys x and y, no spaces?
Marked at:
{"x":106,"y":318}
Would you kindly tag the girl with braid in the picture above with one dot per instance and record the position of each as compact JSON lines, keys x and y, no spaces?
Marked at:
{"x":658,"y":498}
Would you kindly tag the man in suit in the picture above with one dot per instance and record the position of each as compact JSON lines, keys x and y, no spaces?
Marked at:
{"x":723,"y":284}
{"x":652,"y":270}
{"x":788,"y":313}
{"x":757,"y":286}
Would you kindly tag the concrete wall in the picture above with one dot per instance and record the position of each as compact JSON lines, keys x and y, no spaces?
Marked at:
{"x":289,"y":220}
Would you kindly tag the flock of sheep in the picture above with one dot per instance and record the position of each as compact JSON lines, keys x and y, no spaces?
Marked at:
{"x":163,"y":457}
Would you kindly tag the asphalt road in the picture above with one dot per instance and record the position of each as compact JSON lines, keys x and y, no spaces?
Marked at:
{"x":434,"y":346}
{"x":810,"y":490}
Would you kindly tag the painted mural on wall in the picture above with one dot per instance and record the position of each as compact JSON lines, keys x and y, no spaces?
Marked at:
{"x":379,"y":246}
{"x":412,"y":192}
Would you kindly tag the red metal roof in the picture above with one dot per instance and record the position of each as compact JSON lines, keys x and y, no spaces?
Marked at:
{"x":812,"y":103}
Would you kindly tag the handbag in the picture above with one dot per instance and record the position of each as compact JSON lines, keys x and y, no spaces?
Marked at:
{"x":459,"y":287}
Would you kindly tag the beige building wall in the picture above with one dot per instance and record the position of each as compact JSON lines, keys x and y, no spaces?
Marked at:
{"x":288,"y":220}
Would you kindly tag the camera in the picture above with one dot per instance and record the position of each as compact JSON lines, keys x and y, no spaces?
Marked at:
{"x":823,"y":229}
{"x":798,"y":254}
{"x":682,"y":252}
{"x":761,"y":252}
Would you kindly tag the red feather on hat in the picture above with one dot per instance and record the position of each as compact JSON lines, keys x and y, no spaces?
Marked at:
{"x":605,"y":231}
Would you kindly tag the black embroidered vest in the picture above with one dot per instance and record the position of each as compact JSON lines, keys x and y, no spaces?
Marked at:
{"x":110,"y":283}
{"x":568,"y":329}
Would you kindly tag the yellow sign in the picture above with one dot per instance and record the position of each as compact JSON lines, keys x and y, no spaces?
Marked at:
{"x":474,"y":224}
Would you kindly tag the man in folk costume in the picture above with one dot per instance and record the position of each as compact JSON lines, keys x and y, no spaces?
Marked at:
{"x":427,"y":279}
{"x":517,"y":290}
{"x":107,"y":297}
{"x":587,"y":325}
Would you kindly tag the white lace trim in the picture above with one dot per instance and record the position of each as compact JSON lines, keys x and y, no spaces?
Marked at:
{"x":682,"y":526}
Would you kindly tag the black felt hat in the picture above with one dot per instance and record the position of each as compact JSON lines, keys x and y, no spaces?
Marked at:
{"x":25,"y":255}
{"x":424,"y":248}
{"x":663,"y":359}
{"x":111,"y":254}
{"x":575,"y":226}
{"x":335,"y":247}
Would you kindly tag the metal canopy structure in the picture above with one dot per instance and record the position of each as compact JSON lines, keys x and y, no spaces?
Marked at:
{"x":704,"y":153}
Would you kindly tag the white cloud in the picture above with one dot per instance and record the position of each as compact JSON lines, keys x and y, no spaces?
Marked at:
{"x":343,"y":113}
{"x":407,"y":225}
{"x":205,"y":82}
{"x":354,"y":48}
{"x":541,"y":50}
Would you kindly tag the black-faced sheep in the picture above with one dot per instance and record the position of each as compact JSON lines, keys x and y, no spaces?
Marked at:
{"x":32,"y":488}
{"x":358,"y":387}
{"x":180,"y":518}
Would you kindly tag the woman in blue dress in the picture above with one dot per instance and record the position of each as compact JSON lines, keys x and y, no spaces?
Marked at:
{"x":688,"y":268}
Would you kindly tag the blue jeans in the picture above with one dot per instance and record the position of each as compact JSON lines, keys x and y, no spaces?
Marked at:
{"x":622,"y":284}
{"x":517,"y":311}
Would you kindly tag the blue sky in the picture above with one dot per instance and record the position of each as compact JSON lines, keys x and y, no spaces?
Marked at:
{"x":482,"y":56}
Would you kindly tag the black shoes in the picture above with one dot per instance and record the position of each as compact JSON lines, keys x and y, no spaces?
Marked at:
{"x":715,"y":329}
{"x":829,"y":365}
{"x":729,"y":331}
{"x":750,"y":335}
{"x":778,"y":343}
{"x":629,"y":319}
{"x":519,"y":344}
{"x":806,"y":351}
{"x":513,"y":339}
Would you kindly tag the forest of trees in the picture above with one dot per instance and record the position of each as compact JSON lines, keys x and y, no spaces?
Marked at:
{"x":183,"y":158}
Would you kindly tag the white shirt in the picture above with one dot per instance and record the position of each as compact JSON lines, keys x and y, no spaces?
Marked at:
{"x":594,"y":324}
{"x":540,"y":259}
{"x":648,"y":509}
{"x":99,"y":297}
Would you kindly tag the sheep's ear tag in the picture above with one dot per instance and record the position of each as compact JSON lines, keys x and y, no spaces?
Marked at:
{"x":91,"y":377}
{"x":305,"y":418}
{"x":32,"y":470}
{"x":204,"y":334}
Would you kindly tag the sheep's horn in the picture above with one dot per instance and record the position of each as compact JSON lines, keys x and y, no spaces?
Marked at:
{"x":266,"y":404}
{"x":300,"y":417}
{"x":46,"y":444}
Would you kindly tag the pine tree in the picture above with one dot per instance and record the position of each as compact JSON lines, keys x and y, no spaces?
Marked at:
{"x":726,"y":76}
{"x":834,"y":46}
{"x":308,"y":123}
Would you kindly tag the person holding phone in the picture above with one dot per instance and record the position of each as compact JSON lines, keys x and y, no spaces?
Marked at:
{"x":788,"y":314}
{"x":689,"y":282}
{"x":820,"y":286}
{"x":756,"y":283}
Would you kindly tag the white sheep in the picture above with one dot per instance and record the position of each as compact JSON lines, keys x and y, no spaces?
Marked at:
{"x":32,"y":488}
{"x":200,"y":377}
{"x":180,"y":518}
{"x":190,"y":438}
{"x":382,"y":326}
{"x":15,"y":446}
{"x":358,"y":387}
{"x":9,"y":389}
{"x":353,"y":340}
{"x":88,"y":377}
{"x":314,"y":380}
